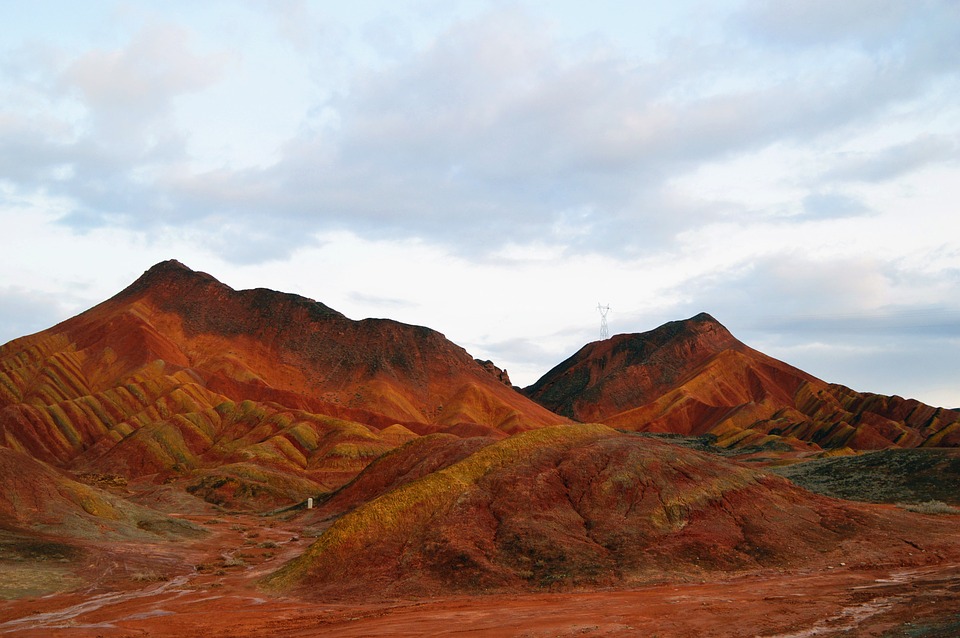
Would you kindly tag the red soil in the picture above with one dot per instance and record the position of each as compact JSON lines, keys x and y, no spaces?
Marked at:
{"x":584,"y":507}
{"x":208,"y":592}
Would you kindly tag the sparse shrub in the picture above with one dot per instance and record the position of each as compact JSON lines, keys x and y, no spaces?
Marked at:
{"x":147,"y":576}
{"x":930,"y":507}
{"x":233,"y":561}
{"x":268,"y":545}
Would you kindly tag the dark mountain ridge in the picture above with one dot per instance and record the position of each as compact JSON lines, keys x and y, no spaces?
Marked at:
{"x":693,"y":377}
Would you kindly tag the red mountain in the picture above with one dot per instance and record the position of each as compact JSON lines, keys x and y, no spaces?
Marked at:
{"x":573,"y":507}
{"x":253,"y":394}
{"x":136,"y":438}
{"x":693,"y":377}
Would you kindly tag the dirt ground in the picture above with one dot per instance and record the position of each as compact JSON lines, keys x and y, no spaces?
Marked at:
{"x":207,"y":589}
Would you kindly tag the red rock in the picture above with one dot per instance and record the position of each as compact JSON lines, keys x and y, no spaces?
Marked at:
{"x":144,"y":382}
{"x":571,"y":508}
{"x":693,"y":377}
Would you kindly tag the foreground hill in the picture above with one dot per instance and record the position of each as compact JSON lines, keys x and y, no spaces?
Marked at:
{"x":253,"y":396}
{"x":693,"y":377}
{"x":584,"y":506}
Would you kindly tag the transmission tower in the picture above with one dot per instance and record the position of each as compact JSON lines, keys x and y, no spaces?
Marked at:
{"x":604,"y":330}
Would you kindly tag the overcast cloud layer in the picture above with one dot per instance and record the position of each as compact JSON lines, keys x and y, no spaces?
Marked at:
{"x":495,"y":169}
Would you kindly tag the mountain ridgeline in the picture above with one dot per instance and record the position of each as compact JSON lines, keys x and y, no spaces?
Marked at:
{"x":693,"y":378}
{"x":180,"y":374}
{"x":430,"y":472}
{"x":247,"y":397}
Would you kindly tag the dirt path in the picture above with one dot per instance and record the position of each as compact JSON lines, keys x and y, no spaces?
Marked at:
{"x":132,"y":584}
{"x":829,"y":603}
{"x":216,"y":597}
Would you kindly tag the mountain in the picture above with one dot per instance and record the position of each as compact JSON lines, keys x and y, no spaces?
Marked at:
{"x":249,"y":397}
{"x":693,"y":377}
{"x":583,"y":506}
{"x":158,"y":450}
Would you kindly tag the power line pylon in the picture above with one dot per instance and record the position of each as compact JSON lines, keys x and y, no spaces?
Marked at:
{"x":604,"y":330}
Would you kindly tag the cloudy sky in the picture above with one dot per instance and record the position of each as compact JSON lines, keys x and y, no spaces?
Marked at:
{"x":495,"y":169}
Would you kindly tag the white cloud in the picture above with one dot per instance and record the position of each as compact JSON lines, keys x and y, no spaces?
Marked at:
{"x":895,"y":161}
{"x":494,"y":170}
{"x":138,"y":82}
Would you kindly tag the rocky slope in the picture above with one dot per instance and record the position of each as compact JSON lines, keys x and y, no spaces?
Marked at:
{"x":37,"y":498}
{"x":249,"y":397}
{"x":579,"y":506}
{"x":693,"y":377}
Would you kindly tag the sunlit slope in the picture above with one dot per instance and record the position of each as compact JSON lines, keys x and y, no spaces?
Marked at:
{"x":693,"y":377}
{"x":400,"y":466}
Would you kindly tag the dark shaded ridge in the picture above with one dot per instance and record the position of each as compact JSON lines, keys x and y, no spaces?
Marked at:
{"x":170,"y":273}
{"x":208,"y":306}
{"x":573,"y":381}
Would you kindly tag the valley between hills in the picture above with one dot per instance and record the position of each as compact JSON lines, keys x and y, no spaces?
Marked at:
{"x":189,"y":459}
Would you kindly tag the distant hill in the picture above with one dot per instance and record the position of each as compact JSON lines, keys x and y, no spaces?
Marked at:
{"x":693,"y":377}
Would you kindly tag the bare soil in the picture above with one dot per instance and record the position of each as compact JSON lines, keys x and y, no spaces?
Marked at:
{"x":208,"y":588}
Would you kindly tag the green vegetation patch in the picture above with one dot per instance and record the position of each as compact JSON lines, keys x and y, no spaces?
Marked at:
{"x":21,"y":580}
{"x":34,"y":566}
{"x":931,"y":507}
{"x":911,"y":476}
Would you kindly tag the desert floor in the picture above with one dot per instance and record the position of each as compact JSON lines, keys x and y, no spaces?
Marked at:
{"x":208,"y":589}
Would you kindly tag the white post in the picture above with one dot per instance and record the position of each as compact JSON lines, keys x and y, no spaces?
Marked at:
{"x":310,"y":503}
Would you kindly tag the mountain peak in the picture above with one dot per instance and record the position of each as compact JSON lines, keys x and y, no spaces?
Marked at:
{"x":634,"y":368}
{"x":700,"y":322}
{"x":703,"y":317}
{"x":169,"y":265}
{"x":702,"y":331}
{"x":207,"y":305}
{"x":169,"y":273}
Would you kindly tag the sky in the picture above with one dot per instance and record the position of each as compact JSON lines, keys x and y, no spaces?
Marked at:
{"x":496,"y":170}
